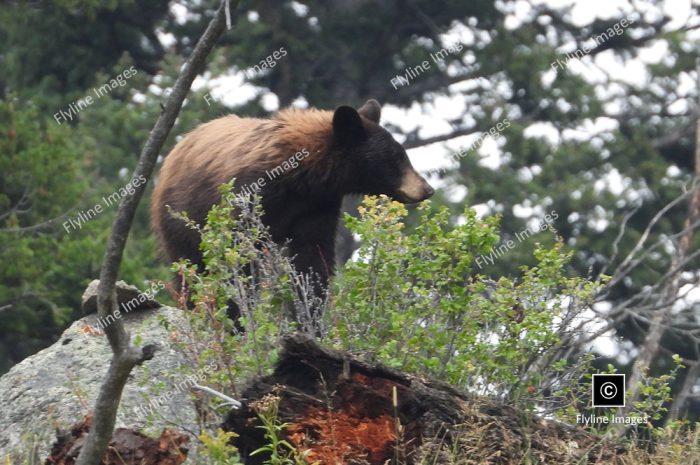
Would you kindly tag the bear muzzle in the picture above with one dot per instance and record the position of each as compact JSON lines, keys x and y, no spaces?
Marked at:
{"x":413,"y":188}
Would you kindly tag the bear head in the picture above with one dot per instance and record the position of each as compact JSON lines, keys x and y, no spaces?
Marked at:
{"x":374,"y":161}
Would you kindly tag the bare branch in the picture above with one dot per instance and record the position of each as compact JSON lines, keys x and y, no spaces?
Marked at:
{"x":617,"y":240}
{"x":625,"y":267}
{"x":229,"y":400}
{"x":412,"y":143}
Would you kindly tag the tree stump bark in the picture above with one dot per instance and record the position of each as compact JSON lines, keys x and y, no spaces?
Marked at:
{"x":342,"y":410}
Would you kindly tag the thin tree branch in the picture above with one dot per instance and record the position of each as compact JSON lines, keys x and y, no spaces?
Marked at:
{"x":617,"y":240}
{"x":412,"y":143}
{"x":229,"y":400}
{"x":625,"y":267}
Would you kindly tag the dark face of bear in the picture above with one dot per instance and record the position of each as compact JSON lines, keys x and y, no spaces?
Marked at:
{"x":376,"y":162}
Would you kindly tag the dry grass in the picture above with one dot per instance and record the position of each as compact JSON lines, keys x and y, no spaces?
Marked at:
{"x":674,"y":448}
{"x":494,"y":440}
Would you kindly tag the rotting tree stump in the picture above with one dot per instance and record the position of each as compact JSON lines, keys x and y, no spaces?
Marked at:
{"x":126,"y":447}
{"x":341,"y":410}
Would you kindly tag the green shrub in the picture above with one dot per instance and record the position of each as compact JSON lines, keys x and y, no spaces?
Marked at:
{"x":411,"y":301}
{"x":417,"y":302}
{"x":414,"y":301}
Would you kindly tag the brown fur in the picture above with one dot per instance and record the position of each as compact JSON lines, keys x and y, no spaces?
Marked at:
{"x":233,"y":147}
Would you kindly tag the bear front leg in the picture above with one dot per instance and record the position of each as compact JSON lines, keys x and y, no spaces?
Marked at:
{"x":314,"y":259}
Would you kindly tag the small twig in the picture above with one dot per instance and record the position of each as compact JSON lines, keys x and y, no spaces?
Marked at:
{"x":227,"y":9}
{"x":229,"y":400}
{"x":617,"y":240}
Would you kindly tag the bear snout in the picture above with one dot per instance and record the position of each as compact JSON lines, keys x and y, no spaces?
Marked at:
{"x":414,"y":188}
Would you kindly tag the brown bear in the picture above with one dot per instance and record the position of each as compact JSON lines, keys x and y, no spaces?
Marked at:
{"x":301,"y":162}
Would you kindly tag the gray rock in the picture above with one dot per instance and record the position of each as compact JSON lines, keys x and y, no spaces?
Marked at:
{"x":57,"y":387}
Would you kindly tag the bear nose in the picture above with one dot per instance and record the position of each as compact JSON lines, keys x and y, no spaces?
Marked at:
{"x":414,"y":188}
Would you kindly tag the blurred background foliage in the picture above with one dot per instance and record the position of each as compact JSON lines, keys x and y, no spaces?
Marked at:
{"x":54,"y":52}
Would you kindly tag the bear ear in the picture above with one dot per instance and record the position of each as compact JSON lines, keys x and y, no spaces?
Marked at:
{"x":347,"y":125}
{"x":371,"y":110}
